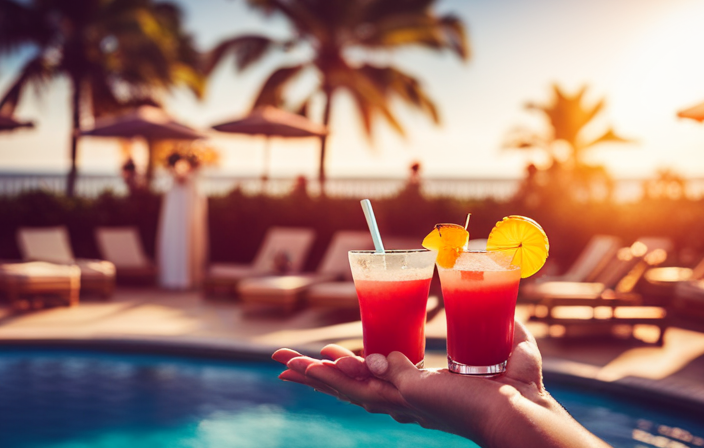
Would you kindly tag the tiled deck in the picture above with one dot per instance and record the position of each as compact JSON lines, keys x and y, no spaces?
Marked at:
{"x":675,"y":370}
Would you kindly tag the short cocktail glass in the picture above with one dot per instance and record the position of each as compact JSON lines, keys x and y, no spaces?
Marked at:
{"x":392,"y":288}
{"x":480,"y":301}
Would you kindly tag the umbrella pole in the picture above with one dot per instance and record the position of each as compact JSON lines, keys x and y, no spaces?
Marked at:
{"x":267,"y":150}
{"x":150,"y":163}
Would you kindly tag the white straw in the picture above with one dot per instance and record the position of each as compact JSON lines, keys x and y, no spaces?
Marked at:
{"x":373,"y":227}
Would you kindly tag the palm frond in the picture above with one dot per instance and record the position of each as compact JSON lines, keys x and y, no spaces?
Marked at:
{"x":370,"y":97}
{"x":37,"y":71}
{"x":609,"y":136}
{"x":272,"y":91}
{"x":392,"y":82}
{"x":305,"y":15}
{"x":22,"y":24}
{"x":248,"y":49}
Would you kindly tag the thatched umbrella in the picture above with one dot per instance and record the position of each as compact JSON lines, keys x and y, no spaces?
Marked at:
{"x":148,"y":122}
{"x":270,"y":121}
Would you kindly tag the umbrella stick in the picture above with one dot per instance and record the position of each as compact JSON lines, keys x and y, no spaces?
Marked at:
{"x":267,"y":150}
{"x":150,"y":162}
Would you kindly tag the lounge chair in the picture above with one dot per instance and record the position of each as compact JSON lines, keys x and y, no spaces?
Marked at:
{"x":599,"y":251}
{"x":689,"y":298}
{"x":51,"y":244}
{"x":122,"y":246}
{"x":659,"y":284}
{"x":342,"y":295}
{"x":614,"y":290}
{"x":283,"y":250}
{"x":605,"y":274}
{"x":37,"y":283}
{"x":287,"y":291}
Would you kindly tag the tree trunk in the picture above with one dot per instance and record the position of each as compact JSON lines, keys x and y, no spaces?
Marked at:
{"x":75,"y":129}
{"x":324,"y":139}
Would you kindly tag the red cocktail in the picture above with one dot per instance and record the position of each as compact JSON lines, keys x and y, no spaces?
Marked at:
{"x":480,"y":300}
{"x":393,"y":293}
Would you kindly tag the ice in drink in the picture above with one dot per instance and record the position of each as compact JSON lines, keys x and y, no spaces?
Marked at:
{"x":480,"y":300}
{"x":392,"y":289}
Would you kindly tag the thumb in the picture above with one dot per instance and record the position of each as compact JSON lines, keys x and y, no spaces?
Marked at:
{"x":395,"y":368}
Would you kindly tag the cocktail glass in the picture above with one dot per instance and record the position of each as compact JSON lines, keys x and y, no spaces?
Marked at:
{"x":480,"y":301}
{"x":392,"y":288}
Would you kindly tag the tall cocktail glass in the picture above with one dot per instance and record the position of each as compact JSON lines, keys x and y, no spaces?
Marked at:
{"x":480,"y":301}
{"x":392,"y":288}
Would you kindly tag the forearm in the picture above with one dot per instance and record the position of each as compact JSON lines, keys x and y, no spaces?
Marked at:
{"x":542,"y":423}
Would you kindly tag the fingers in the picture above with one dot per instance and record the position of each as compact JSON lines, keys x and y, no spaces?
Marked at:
{"x":296,"y":377}
{"x":334,"y":352}
{"x":353,"y":367}
{"x":395,"y":368}
{"x":284,"y":355}
{"x":521,"y":334}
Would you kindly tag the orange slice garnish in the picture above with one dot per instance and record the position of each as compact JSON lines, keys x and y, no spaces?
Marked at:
{"x":448,"y":240}
{"x":524,"y":240}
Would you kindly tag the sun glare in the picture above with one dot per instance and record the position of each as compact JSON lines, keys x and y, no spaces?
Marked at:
{"x":659,"y":74}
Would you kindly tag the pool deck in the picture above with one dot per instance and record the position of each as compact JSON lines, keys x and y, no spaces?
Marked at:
{"x":135,"y":316}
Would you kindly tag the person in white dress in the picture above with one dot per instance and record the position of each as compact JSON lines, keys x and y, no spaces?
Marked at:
{"x":182,"y":238}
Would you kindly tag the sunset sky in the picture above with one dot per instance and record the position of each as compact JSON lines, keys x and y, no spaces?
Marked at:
{"x":645,"y":57}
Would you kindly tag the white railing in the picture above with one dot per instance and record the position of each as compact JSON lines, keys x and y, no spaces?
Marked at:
{"x":91,"y":185}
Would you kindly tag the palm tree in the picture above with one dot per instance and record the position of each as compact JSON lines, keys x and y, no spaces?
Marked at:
{"x":333,"y":28}
{"x":114,"y":53}
{"x":570,"y":125}
{"x":569,"y":121}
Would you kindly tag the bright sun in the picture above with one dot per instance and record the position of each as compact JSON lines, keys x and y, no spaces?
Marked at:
{"x":661,"y":73}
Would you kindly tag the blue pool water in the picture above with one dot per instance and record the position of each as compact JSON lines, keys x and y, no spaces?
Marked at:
{"x":81,"y":399}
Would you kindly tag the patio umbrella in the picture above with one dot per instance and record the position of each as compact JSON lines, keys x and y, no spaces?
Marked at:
{"x":8,"y":123}
{"x":695,"y":112}
{"x":270,"y":121}
{"x":148,"y":122}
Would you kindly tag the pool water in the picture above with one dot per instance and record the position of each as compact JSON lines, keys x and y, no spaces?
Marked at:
{"x":72,"y":399}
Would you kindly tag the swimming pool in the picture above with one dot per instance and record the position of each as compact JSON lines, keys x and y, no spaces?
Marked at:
{"x":57,"y":398}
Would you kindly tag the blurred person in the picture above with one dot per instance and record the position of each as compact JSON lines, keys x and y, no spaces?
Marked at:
{"x":130,"y":176}
{"x":509,"y":410}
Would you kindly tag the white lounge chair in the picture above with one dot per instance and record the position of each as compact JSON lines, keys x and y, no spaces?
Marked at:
{"x":287,"y":290}
{"x":123,"y":247}
{"x":52,"y":244}
{"x":35,"y":284}
{"x":284,"y":249}
{"x":613,"y":288}
{"x":342,"y":295}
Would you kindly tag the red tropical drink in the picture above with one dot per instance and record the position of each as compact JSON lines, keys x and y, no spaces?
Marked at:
{"x":480,"y":300}
{"x":392,"y":288}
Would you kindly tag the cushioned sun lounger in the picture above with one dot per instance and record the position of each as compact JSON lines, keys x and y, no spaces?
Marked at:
{"x":284,"y":249}
{"x":122,"y":246}
{"x":613,"y":291}
{"x":51,"y":244}
{"x":36,"y":283}
{"x":287,"y":290}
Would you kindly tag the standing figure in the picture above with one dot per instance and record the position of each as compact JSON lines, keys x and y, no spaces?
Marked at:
{"x":182,"y":239}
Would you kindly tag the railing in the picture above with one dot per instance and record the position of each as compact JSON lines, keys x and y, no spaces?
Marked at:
{"x":91,"y":185}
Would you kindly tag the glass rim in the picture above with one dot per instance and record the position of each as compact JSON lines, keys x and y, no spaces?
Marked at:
{"x":388,"y":251}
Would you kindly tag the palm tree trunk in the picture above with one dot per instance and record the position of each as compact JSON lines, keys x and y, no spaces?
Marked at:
{"x":75,"y":129}
{"x":324,"y":139}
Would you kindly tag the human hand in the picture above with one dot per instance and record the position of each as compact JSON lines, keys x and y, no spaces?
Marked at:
{"x":430,"y":397}
{"x":497,"y":411}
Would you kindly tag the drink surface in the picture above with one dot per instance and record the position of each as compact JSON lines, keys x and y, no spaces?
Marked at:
{"x":393,"y":316}
{"x":480,"y":299}
{"x":392,"y":289}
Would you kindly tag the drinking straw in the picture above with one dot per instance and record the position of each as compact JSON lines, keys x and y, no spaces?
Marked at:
{"x":373,"y":227}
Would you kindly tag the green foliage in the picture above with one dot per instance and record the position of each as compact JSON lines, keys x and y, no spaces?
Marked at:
{"x":237,"y":222}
